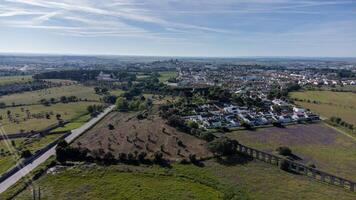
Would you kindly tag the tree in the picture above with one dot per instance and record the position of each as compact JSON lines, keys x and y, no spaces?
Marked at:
{"x":193,"y":124}
{"x":58,"y":116}
{"x":158,"y":157}
{"x":111,"y":127}
{"x":111,"y":99}
{"x":284,"y":151}
{"x":207,"y":136}
{"x":97,"y":90}
{"x":223,"y":146}
{"x":121,"y":104}
{"x":26,"y":154}
{"x":63,"y":99}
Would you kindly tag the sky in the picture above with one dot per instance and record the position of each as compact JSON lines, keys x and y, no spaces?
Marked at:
{"x":211,"y":28}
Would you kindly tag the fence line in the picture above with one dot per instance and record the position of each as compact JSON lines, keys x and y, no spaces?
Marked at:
{"x":298,"y":168}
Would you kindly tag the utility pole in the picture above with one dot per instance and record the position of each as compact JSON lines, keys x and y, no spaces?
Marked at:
{"x":36,"y":194}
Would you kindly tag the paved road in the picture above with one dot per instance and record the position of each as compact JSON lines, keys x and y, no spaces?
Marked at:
{"x":28,"y":168}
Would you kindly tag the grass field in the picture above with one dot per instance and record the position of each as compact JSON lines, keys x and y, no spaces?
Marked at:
{"x":340,"y":104}
{"x":116,"y":183}
{"x":252,"y":180}
{"x":117,"y":92}
{"x":319,"y":144}
{"x":67,"y":111}
{"x":76,"y":123}
{"x":79,"y":91}
{"x":7,"y":157}
{"x":6,"y":80}
{"x":164,"y":76}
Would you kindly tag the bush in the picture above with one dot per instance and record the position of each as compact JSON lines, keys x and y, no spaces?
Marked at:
{"x":312,"y":165}
{"x":284,"y":165}
{"x":111,"y":127}
{"x":284,"y":151}
{"x":193,"y":158}
{"x":123,"y":157}
{"x":247,"y":126}
{"x":158,"y":157}
{"x":207,"y":136}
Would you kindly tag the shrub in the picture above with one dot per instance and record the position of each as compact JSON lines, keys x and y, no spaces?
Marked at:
{"x":158,"y":157}
{"x":207,"y":136}
{"x":193,"y":158}
{"x":284,"y":151}
{"x":122,"y":157}
{"x":284,"y":165}
{"x":142,"y":156}
{"x":111,"y":127}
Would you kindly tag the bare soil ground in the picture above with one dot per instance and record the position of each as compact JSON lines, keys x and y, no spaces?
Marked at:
{"x":148,"y":135}
{"x":317,"y":144}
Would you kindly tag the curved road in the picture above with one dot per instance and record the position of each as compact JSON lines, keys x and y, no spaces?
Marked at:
{"x":28,"y":168}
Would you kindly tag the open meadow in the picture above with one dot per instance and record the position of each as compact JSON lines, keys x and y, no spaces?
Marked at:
{"x":7,"y":80}
{"x":317,"y":144}
{"x":80,"y":91}
{"x":38,"y":117}
{"x":328,"y":103}
{"x":215,"y":180}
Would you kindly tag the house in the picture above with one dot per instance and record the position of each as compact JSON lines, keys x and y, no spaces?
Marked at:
{"x":104,"y":77}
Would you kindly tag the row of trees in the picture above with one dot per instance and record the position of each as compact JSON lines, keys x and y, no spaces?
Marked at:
{"x":340,"y":122}
{"x":65,"y":152}
{"x":94,"y":110}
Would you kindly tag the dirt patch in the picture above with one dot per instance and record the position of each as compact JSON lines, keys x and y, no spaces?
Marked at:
{"x":130,"y":135}
{"x":294,"y":135}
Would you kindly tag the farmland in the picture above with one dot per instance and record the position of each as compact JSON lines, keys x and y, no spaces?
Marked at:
{"x":328,"y":103}
{"x":6,"y":80}
{"x":316,"y":144}
{"x":21,"y":121}
{"x":33,"y":97}
{"x":130,"y":134}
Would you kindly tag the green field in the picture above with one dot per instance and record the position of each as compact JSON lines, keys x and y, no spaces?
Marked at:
{"x":119,"y":183}
{"x":251,"y":180}
{"x":339,"y":104}
{"x":6,"y":80}
{"x":79,"y":91}
{"x":76,"y":123}
{"x":8,"y":157}
{"x":67,"y":111}
{"x":164,"y":76}
{"x":116,"y":92}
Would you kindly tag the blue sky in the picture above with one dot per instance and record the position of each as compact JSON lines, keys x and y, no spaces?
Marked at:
{"x":223,"y":28}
